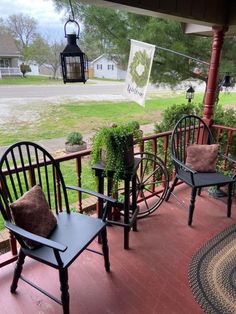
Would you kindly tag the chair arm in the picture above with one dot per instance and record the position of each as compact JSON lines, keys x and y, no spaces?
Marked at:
{"x":185,"y":168}
{"x":33,"y":237}
{"x":98,"y":195}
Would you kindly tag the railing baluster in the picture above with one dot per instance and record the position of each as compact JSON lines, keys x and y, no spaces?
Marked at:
{"x":78,"y":173}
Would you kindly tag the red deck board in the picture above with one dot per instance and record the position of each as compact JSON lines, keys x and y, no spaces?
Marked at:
{"x":150,"y":278}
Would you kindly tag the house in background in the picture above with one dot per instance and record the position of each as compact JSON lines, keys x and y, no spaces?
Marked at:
{"x":108,"y":68}
{"x":9,"y":56}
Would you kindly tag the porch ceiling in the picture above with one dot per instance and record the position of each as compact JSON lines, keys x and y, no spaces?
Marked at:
{"x":208,"y":13}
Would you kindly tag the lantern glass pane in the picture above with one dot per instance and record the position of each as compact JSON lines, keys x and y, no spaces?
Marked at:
{"x":73,"y":68}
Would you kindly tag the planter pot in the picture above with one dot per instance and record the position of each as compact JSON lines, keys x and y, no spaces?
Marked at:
{"x":128,"y":156}
{"x":75,"y":148}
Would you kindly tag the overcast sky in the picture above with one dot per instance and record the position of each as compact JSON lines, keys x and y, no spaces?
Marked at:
{"x":51,"y":22}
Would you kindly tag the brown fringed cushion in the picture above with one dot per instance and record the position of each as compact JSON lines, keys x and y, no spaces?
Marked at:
{"x":32,"y":213}
{"x":202,"y":158}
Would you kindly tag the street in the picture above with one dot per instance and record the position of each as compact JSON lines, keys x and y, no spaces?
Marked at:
{"x":60,"y":92}
{"x":96,"y":90}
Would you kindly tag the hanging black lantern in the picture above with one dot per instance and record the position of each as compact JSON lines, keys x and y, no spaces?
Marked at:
{"x":74,"y":62}
{"x":190,"y":93}
{"x":226,"y":81}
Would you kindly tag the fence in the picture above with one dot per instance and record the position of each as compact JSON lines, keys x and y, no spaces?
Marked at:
{"x":10,"y":72}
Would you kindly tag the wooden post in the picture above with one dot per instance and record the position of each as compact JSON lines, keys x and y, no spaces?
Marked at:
{"x":212,"y":82}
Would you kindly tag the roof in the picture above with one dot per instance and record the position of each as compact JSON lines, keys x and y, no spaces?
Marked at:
{"x":8,"y":46}
{"x":211,"y":13}
{"x":104,"y":56}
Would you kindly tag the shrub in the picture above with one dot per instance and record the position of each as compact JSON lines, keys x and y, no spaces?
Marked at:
{"x":24,"y":68}
{"x":74,"y":138}
{"x":174,"y":113}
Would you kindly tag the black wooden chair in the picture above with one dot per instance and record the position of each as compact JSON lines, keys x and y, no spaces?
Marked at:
{"x":191,"y":130}
{"x":25,"y":165}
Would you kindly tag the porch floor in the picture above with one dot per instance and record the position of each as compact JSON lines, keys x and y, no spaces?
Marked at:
{"x":151,"y":277}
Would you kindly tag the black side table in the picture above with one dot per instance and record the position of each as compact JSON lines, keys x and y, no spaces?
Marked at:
{"x":129,"y":205}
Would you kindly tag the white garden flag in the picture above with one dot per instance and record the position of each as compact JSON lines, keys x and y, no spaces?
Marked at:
{"x":139,"y":69}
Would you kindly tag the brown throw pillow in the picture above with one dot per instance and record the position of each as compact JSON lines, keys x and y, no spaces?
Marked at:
{"x":202,"y":158}
{"x":32,"y":213}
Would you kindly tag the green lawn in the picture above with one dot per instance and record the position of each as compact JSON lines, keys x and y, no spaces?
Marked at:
{"x":47,"y":121}
{"x":30,"y":80}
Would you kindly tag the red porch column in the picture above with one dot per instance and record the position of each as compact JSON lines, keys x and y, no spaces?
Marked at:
{"x":209,"y":99}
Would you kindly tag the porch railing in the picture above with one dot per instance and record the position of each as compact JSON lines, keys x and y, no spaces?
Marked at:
{"x":158,"y":144}
{"x":10,"y":71}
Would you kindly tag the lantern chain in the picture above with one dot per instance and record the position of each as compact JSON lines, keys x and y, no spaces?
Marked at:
{"x":72,"y":12}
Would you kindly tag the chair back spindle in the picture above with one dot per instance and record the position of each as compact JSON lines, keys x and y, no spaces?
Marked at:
{"x":24,"y":165}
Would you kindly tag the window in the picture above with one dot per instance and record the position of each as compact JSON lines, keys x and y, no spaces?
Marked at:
{"x":5,"y":62}
{"x":99,"y":66}
{"x":110,"y":67}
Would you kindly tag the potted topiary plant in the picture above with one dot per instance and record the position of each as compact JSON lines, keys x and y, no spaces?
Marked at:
{"x":113,"y":147}
{"x":75,"y":143}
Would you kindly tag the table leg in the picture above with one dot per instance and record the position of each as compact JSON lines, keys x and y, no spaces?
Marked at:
{"x":134,"y":200}
{"x":100,"y":202}
{"x":126,"y":215}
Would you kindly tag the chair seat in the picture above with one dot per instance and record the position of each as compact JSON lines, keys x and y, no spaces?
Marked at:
{"x":74,"y":230}
{"x":204,"y":179}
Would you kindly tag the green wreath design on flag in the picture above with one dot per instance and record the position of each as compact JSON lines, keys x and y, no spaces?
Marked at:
{"x":140,"y":59}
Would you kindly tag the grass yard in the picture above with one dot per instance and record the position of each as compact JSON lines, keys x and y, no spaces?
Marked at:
{"x":30,"y":80}
{"x":46,"y":121}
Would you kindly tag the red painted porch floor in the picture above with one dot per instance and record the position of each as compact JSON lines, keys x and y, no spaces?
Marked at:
{"x":151,"y":277}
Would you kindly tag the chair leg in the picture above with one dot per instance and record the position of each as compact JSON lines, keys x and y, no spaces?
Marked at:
{"x":18,"y":270}
{"x":229,"y":203}
{"x":65,"y":297}
{"x":105,"y":249}
{"x":171,"y":189}
{"x":192,"y":205}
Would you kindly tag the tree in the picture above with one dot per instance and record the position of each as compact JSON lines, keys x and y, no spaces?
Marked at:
{"x":53,"y":58}
{"x":23,"y":28}
{"x":117,"y":27}
{"x":3,"y":28}
{"x":37,"y":51}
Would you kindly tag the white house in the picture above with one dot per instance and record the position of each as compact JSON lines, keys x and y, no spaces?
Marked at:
{"x":106,"y":67}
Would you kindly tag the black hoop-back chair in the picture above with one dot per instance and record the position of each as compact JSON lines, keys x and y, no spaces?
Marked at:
{"x":23,"y":166}
{"x":192,"y":130}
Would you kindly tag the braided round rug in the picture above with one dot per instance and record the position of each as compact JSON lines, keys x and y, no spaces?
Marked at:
{"x":212,"y":273}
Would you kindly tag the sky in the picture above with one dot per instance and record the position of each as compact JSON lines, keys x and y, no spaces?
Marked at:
{"x":50,"y":22}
